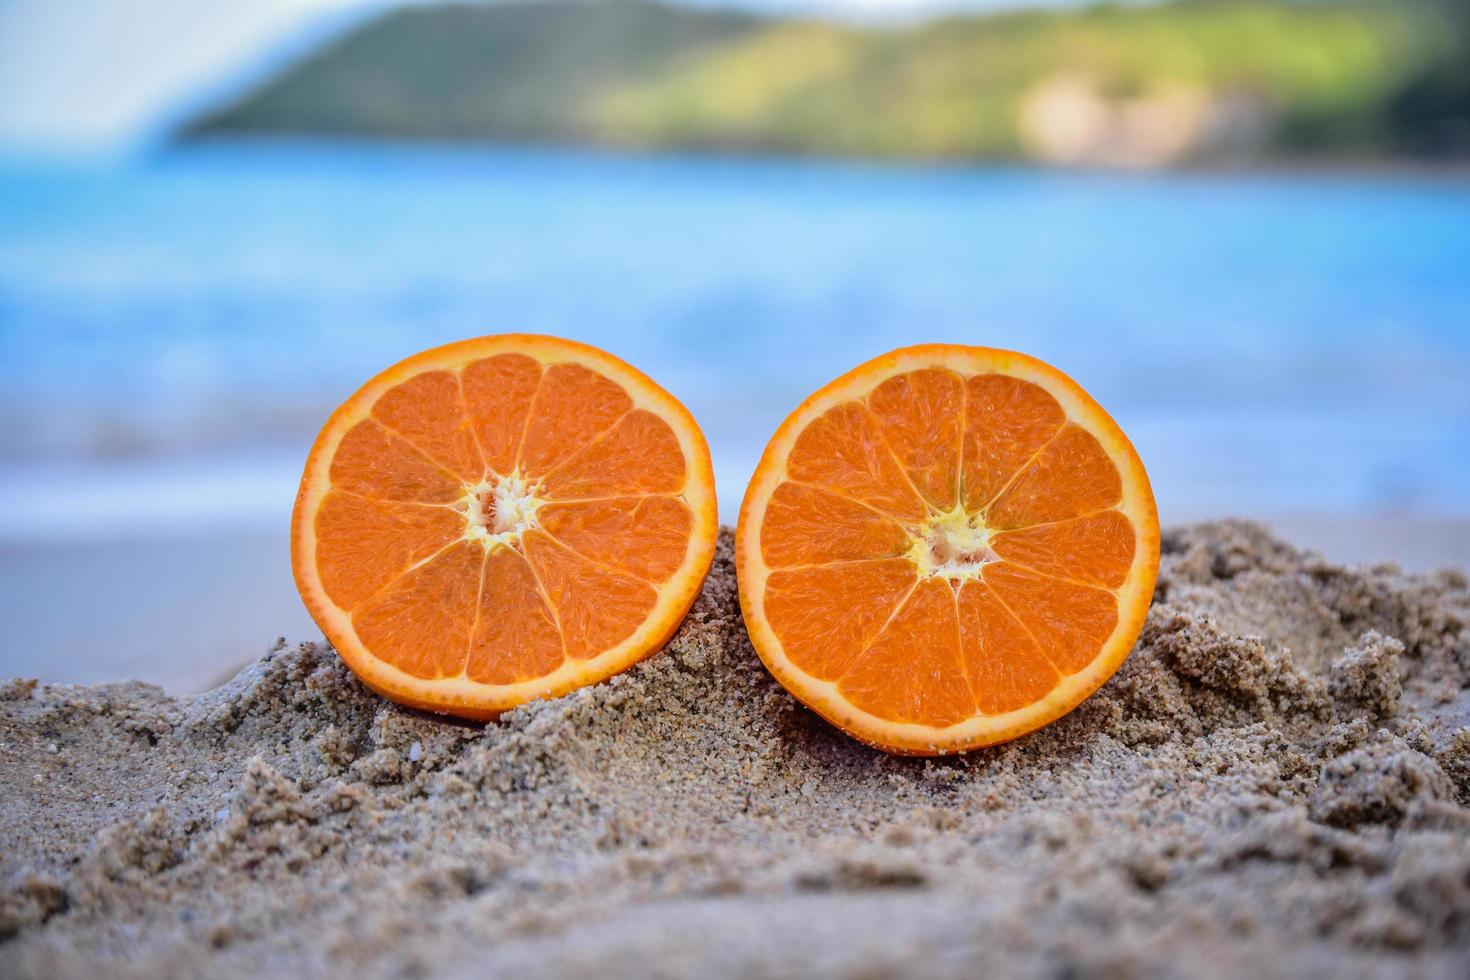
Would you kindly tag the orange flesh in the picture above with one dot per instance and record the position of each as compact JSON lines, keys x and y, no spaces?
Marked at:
{"x":492,"y":522}
{"x":944,"y":546}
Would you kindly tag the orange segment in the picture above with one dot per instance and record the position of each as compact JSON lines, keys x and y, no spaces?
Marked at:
{"x":1069,"y":622}
{"x":1007,"y":670}
{"x":428,"y":411}
{"x":426,"y":639}
{"x":826,"y":615}
{"x":946,"y":548}
{"x":497,"y":394}
{"x":921,"y":414}
{"x":373,"y":462}
{"x":843,"y":451}
{"x":364,"y":543}
{"x":1096,"y":550}
{"x":596,"y":529}
{"x":597,"y":606}
{"x":1073,"y":475}
{"x":639,"y":455}
{"x":573,"y":405}
{"x":912,"y":671}
{"x":516,"y":634}
{"x":502,"y":519}
{"x":1007,"y":421}
{"x":807,"y":526}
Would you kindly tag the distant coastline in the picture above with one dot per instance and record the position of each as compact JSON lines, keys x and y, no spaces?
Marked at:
{"x":1195,"y":84}
{"x":1449,"y":169}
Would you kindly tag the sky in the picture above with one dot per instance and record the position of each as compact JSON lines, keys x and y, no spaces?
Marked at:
{"x":84,"y":75}
{"x":109,"y":76}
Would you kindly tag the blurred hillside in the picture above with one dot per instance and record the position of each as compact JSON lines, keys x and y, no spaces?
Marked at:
{"x":1190,"y":81}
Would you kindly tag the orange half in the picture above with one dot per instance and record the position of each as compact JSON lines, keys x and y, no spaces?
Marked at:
{"x":503,"y":519}
{"x":946,"y":548}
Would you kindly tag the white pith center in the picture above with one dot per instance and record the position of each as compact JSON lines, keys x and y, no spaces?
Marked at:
{"x":953,"y":545}
{"x":498,"y":510}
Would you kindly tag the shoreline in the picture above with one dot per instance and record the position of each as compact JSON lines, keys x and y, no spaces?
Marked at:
{"x":1450,"y":170}
{"x":195,"y":597}
{"x":1276,"y":783}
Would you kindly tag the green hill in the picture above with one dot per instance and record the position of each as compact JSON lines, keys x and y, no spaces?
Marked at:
{"x":1119,"y":85}
{"x":515,"y":71}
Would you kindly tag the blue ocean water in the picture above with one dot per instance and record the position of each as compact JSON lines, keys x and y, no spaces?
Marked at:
{"x":173,"y":330}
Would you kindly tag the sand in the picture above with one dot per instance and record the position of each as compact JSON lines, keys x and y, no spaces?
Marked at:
{"x":1274,"y":784}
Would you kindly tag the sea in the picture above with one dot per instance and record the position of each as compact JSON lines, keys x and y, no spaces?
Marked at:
{"x":174,"y":327}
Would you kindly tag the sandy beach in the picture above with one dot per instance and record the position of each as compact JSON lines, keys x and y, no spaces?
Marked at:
{"x":1275,"y":784}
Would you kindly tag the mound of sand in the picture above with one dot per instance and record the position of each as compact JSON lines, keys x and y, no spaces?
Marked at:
{"x":1273,"y":784}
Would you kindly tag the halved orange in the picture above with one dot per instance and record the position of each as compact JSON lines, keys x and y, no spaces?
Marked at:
{"x":946,"y":548}
{"x":503,"y":519}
